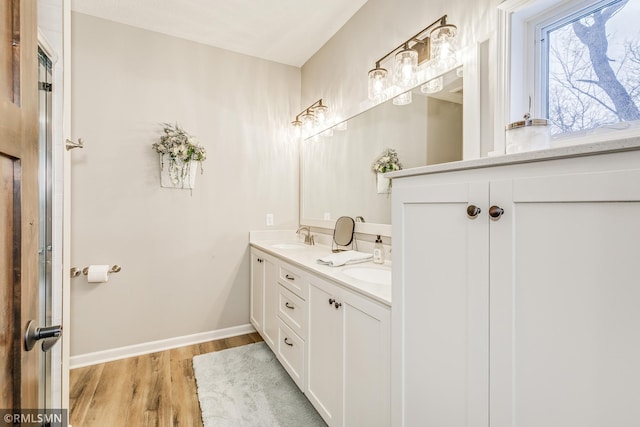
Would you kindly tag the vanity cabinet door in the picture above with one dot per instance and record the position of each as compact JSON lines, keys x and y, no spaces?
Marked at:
{"x":366,"y":354}
{"x":565,"y":288}
{"x":349,"y":357}
{"x":324,"y":373}
{"x":257,"y":290}
{"x":440,"y":305}
{"x":270,"y":328}
{"x":264,"y":297}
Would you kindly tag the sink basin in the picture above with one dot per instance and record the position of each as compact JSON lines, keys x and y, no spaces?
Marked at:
{"x":380,"y":276}
{"x":288,"y":246}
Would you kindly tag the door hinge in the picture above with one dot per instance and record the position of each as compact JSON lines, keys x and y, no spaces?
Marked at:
{"x":45,"y":86}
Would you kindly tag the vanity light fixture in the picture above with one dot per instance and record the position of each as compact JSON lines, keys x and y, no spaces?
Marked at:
{"x":403,"y":98}
{"x":306,"y":120}
{"x":432,"y":86}
{"x":413,"y":52}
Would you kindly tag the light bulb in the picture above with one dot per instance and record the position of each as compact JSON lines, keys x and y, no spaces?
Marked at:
{"x":377,"y":83}
{"x":406,"y":65}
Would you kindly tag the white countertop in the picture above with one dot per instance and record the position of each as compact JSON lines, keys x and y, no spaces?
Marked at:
{"x":306,"y":256}
{"x":628,"y":144}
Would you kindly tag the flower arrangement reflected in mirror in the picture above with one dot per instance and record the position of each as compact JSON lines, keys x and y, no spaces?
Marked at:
{"x":387,"y":162}
{"x":179,"y":152}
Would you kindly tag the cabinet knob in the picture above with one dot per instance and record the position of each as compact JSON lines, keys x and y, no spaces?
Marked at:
{"x":286,"y":304}
{"x":337,"y":305}
{"x":495,"y":212}
{"x":473,"y":211}
{"x":331,"y":301}
{"x":287,"y":342}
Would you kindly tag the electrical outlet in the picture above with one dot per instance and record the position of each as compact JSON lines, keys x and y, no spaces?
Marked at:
{"x":327,"y":215}
{"x":269,"y":219}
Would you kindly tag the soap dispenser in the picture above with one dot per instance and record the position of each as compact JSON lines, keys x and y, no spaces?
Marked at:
{"x":378,"y":251}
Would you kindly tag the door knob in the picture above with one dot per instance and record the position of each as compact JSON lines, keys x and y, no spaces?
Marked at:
{"x":495,"y":212}
{"x":49,"y":336}
{"x":473,"y":211}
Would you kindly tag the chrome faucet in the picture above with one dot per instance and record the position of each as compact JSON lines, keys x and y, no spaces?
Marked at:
{"x":360,"y":219}
{"x":308,"y":238}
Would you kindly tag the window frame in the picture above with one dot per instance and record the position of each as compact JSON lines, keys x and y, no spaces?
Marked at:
{"x":520,"y":26}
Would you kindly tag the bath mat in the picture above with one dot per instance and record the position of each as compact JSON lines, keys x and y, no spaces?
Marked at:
{"x":246,"y":386}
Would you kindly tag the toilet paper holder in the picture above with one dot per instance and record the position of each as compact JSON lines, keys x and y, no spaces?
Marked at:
{"x":75,"y":271}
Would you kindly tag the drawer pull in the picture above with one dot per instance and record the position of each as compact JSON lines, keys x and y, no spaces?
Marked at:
{"x":286,"y":276}
{"x":288,"y":343}
{"x":286,"y":304}
{"x":338,"y":305}
{"x":331,"y":301}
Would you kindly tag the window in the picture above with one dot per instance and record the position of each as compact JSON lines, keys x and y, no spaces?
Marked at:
{"x":590,"y":67}
{"x":576,"y":63}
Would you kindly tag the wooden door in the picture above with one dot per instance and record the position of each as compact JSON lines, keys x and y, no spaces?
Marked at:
{"x":19,"y":201}
{"x":440,"y":305}
{"x":565,"y":290}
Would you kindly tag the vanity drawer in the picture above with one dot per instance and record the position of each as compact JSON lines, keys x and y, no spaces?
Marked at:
{"x":291,"y":353}
{"x":292,"y":310}
{"x":294,"y":280}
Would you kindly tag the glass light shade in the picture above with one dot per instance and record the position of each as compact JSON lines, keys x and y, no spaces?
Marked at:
{"x":432,"y":86}
{"x":296,"y":127}
{"x":443,"y":45}
{"x":377,"y":83}
{"x":406,"y":67}
{"x":308,"y":121}
{"x":320,"y":112}
{"x":402,"y":99}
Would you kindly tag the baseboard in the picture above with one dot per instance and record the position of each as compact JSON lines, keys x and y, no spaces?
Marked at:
{"x":154,"y":346}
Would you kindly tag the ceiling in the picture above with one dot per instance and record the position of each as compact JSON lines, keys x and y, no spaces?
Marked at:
{"x":285,"y":31}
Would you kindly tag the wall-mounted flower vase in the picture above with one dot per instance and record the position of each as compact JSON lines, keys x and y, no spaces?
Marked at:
{"x":383,"y":184}
{"x":176,"y":173}
{"x":180,"y":157}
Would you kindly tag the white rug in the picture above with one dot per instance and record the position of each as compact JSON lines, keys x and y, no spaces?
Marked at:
{"x":246,"y":386}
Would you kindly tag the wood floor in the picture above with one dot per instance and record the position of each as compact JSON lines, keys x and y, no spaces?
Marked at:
{"x":156,"y":389}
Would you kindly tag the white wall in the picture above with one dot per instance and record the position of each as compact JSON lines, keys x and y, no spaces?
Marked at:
{"x":184,"y":257}
{"x":338,"y":71}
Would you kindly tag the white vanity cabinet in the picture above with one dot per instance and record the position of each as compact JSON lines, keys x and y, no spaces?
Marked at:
{"x":526,"y":312}
{"x":348,"y":356}
{"x":264,"y":296}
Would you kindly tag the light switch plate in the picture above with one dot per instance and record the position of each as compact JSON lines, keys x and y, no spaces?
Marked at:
{"x":269,"y":219}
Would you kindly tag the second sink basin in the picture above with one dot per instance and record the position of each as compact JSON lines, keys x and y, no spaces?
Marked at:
{"x":378,"y":275}
{"x":288,"y":246}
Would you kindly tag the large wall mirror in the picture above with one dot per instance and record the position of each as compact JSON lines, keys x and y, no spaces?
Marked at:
{"x":336,"y":172}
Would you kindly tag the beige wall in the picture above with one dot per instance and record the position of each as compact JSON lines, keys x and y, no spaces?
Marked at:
{"x":338,"y":71}
{"x":184,"y":257}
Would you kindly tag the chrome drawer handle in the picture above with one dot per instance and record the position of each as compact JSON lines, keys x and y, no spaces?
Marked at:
{"x":286,"y":304}
{"x":287,"y":342}
{"x":286,"y":276}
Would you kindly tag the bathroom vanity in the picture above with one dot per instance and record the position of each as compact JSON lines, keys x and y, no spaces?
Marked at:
{"x":329,"y":330}
{"x":517,"y":300}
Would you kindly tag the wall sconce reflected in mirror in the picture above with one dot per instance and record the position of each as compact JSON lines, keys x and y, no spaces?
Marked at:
{"x":439,"y":46}
{"x":403,"y":99}
{"x":433,"y":85}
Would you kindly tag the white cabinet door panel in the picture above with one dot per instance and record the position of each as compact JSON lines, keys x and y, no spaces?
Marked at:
{"x":565,"y":290}
{"x":440,"y":306}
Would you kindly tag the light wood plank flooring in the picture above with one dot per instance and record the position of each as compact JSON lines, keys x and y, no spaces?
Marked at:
{"x":156,"y":389}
